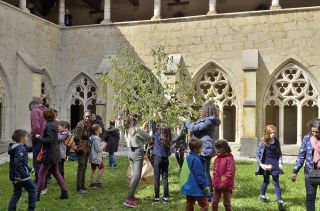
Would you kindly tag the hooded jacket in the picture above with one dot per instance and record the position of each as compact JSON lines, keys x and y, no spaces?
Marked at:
{"x":96,"y":149}
{"x":112,"y":137}
{"x":204,"y":130}
{"x":19,"y":169}
{"x":223,"y":172}
{"x":193,"y":178}
{"x":138,"y":138}
{"x":37,"y":120}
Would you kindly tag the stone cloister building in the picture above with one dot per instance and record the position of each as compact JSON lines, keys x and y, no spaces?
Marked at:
{"x":261,"y":66}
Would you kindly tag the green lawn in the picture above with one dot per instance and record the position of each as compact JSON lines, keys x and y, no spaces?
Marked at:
{"x":112,"y":195}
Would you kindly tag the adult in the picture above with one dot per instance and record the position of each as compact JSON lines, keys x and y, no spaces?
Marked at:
{"x":68,"y":18}
{"x":97,"y":119}
{"x":137,"y":137}
{"x":112,"y":137}
{"x":37,"y":128}
{"x":51,"y":155}
{"x":204,"y":129}
{"x":82,"y":133}
{"x":309,"y":154}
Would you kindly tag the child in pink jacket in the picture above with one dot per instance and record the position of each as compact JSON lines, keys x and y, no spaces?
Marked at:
{"x":223,"y":175}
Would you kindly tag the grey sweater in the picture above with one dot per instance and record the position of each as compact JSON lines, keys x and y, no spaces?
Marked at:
{"x":96,"y":149}
{"x":138,"y":137}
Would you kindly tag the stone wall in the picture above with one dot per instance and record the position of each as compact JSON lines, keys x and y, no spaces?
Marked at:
{"x":38,"y":41}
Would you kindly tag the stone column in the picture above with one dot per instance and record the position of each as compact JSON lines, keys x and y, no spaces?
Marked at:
{"x":107,"y":12}
{"x":299,"y":124}
{"x":212,"y":7}
{"x":23,"y":5}
{"x":248,"y":139}
{"x":156,"y":10}
{"x":281,"y":124}
{"x":62,"y":11}
{"x":275,"y":5}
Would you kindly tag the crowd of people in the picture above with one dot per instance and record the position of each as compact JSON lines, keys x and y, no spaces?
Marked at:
{"x":49,"y":136}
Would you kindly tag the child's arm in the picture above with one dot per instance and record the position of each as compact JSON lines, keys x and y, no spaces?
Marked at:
{"x":301,"y":156}
{"x":19,"y":164}
{"x":259,"y":155}
{"x":96,"y":145}
{"x":230,"y":173}
{"x":62,"y":136}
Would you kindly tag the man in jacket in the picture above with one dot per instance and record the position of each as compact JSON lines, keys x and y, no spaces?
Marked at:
{"x":112,"y":137}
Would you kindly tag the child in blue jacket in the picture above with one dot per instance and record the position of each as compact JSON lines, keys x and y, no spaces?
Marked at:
{"x":194,"y":181}
{"x":20,"y":172}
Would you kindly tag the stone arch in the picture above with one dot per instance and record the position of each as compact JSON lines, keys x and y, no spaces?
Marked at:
{"x":290,"y":100}
{"x":212,"y":82}
{"x":6,"y":102}
{"x":81,"y":96}
{"x":48,"y":93}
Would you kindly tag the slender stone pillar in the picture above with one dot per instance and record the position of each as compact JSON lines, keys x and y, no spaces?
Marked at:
{"x":107,"y":12}
{"x":156,"y":10}
{"x":275,"y":5}
{"x":23,"y":5}
{"x":212,"y":7}
{"x":62,"y":11}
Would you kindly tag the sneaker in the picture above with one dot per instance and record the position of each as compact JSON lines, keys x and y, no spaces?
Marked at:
{"x":135,"y":199}
{"x":156,"y":200}
{"x":81,"y":191}
{"x":64,"y":195}
{"x":165,"y":199}
{"x":280,"y":205}
{"x":263,"y":198}
{"x":84,"y":188}
{"x":44,"y":192}
{"x":130,"y":203}
{"x":98,"y":185}
{"x":92,"y":185}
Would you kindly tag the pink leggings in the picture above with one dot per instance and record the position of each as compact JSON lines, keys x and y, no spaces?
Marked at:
{"x":55,"y":171}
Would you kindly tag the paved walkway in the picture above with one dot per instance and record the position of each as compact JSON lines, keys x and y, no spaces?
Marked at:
{"x":289,"y":154}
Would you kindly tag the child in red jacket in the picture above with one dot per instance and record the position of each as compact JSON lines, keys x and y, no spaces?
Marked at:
{"x":223,"y":175}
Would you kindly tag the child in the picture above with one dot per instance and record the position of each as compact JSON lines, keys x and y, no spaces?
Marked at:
{"x":161,"y":152}
{"x":97,"y":147}
{"x":223,"y":175}
{"x":62,"y":136}
{"x":269,"y":158}
{"x":19,"y":171}
{"x":194,"y":181}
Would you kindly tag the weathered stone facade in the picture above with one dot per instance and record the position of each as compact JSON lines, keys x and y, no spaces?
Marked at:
{"x":206,"y":43}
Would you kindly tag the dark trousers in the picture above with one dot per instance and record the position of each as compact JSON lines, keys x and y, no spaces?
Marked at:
{"x":136,"y":161}
{"x":207,"y":161}
{"x":55,"y":171}
{"x":266,"y":181}
{"x":36,"y":147}
{"x":226,"y":199}
{"x":61,"y":167}
{"x":81,"y":173}
{"x":311,"y":194}
{"x":30,"y":187}
{"x":112,"y":159}
{"x":202,"y":201}
{"x":160,"y":167}
{"x":180,"y":157}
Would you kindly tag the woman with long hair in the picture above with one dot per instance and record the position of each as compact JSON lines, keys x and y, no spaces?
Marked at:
{"x":137,"y":137}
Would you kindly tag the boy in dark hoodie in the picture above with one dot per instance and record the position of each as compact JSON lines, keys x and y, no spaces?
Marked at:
{"x":112,"y":137}
{"x":20,"y":172}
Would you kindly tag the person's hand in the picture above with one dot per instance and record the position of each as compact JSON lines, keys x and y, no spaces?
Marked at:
{"x":16,"y":180}
{"x":293,"y":177}
{"x":206,"y":190}
{"x":183,"y":119}
{"x":38,"y":136}
{"x":145,"y":126}
{"x":281,"y":167}
{"x":264,"y":167}
{"x":32,"y":171}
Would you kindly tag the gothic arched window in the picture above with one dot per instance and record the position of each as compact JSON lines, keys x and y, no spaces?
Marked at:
{"x":290,"y":102}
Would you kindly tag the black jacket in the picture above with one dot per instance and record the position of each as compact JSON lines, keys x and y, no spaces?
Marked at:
{"x":112,"y":137}
{"x":18,"y":162}
{"x":51,"y":150}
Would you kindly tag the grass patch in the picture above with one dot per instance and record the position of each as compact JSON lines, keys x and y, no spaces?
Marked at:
{"x":115,"y":190}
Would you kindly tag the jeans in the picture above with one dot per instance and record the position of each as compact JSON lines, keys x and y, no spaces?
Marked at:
{"x":266,"y":181}
{"x":61,"y":167}
{"x":81,"y":172}
{"x":207,"y":161}
{"x":226,"y":199}
{"x":136,"y":161}
{"x":112,"y":160}
{"x":30,"y":187}
{"x":55,"y":171}
{"x":36,"y":147}
{"x":180,"y":157}
{"x":311,"y":193}
{"x":202,"y":201}
{"x":161,"y":165}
